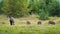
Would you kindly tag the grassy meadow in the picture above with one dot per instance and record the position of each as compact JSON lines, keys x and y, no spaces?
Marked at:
{"x":21,"y":27}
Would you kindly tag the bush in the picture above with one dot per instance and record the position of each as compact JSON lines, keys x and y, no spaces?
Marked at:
{"x":43,"y":15}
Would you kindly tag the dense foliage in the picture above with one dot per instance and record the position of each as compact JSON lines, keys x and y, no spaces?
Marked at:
{"x":21,"y":8}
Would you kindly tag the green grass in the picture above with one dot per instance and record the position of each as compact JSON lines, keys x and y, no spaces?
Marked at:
{"x":5,"y":28}
{"x":23,"y":28}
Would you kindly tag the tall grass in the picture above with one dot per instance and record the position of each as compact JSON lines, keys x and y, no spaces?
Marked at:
{"x":30,"y":29}
{"x":23,"y":28}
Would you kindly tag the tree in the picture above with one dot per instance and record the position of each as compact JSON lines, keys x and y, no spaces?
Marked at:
{"x":33,"y":6}
{"x":54,"y":9}
{"x":43,"y":12}
{"x":21,"y":6}
{"x":1,"y":2}
{"x":9,"y":7}
{"x":48,"y":8}
{"x":16,"y":8}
